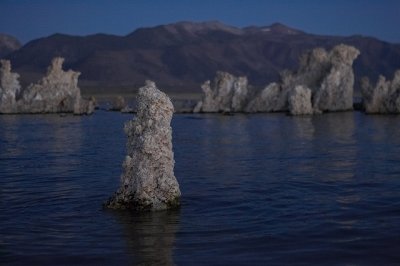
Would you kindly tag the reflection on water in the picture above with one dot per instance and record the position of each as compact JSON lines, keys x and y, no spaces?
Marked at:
{"x":53,"y":147}
{"x":150,"y":237}
{"x":265,"y":189}
{"x":303,"y":127}
{"x":340,"y":127}
{"x":54,"y":137}
{"x":8,"y":134}
{"x":336,"y":144}
{"x":225,"y":141}
{"x":234,"y":141}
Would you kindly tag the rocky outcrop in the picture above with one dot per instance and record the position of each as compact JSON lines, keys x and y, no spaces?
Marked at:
{"x":226,"y":93}
{"x":328,"y":75}
{"x":9,"y":88}
{"x":384,"y":98}
{"x":148,"y":181}
{"x":336,"y":90}
{"x":57,"y":92}
{"x":118,"y":103}
{"x":271,"y":99}
{"x":300,"y":101}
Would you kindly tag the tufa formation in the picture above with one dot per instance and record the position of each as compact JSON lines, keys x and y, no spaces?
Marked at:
{"x":328,"y":76}
{"x":300,"y":101}
{"x":9,"y":88}
{"x":271,"y":99}
{"x":384,"y":98}
{"x":226,"y":94}
{"x":57,"y":92}
{"x":148,"y":181}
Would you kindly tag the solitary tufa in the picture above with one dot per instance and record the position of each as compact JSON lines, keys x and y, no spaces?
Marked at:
{"x":148,"y":181}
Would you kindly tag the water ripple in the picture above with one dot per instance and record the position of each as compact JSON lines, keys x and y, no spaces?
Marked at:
{"x":260,"y":189}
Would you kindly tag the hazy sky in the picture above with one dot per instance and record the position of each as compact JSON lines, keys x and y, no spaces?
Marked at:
{"x":31,"y":19}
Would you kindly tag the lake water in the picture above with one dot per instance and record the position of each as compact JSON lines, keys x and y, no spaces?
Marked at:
{"x":265,"y":189}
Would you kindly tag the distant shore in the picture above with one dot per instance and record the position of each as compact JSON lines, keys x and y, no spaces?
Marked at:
{"x":105,"y":98}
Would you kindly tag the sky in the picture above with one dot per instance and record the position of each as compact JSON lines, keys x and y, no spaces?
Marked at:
{"x":31,"y":19}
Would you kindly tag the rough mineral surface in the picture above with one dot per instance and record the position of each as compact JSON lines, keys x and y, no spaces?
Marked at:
{"x":300,"y":101}
{"x":9,"y":88}
{"x":148,"y":181}
{"x":57,"y":92}
{"x":227,"y":93}
{"x":336,"y":90}
{"x":271,"y":99}
{"x":118,"y":104}
{"x":384,"y":98}
{"x":329,"y":76}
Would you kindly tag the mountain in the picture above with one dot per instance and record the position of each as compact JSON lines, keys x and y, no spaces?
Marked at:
{"x":180,"y":56}
{"x":8,"y":44}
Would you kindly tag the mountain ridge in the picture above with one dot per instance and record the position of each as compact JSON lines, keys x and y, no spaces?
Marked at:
{"x":8,"y":44}
{"x":180,"y":56}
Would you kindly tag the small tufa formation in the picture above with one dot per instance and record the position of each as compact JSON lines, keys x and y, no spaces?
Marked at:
{"x":328,"y":75}
{"x":226,"y":94}
{"x":57,"y":92}
{"x":336,"y":90}
{"x":384,"y":98}
{"x":9,"y":88}
{"x":300,"y":101}
{"x":148,"y":181}
{"x":271,"y":99}
{"x":118,"y":103}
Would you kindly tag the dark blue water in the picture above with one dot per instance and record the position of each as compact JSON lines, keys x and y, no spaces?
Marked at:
{"x":257,"y":189}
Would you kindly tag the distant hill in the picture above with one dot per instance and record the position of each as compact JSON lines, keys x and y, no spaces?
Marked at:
{"x":8,"y":44}
{"x":180,"y":56}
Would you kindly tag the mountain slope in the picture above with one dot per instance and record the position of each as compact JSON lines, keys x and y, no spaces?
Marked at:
{"x":8,"y":44}
{"x":181,"y":56}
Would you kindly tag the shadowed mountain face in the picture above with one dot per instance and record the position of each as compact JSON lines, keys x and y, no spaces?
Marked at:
{"x":8,"y":44}
{"x":179,"y":57}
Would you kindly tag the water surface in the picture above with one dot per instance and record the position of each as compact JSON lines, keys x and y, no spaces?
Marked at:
{"x":257,"y":189}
